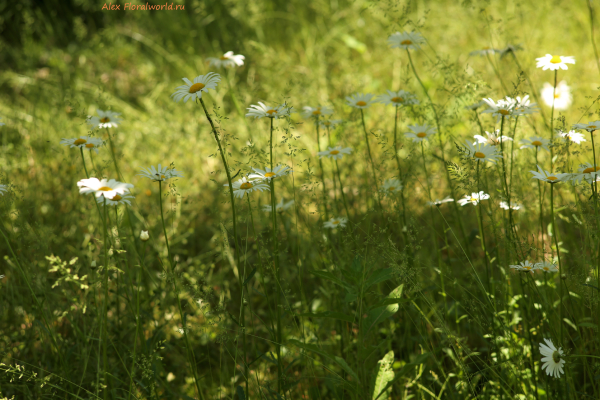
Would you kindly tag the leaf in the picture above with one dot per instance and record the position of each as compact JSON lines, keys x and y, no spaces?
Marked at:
{"x":383,"y":375}
{"x":250,"y":276}
{"x":381,"y":275}
{"x":379,"y":314}
{"x":388,"y":301}
{"x":330,"y":314}
{"x":330,"y":277}
{"x":587,"y":325}
{"x":340,"y":361}
{"x":240,"y":393}
{"x":399,"y":374}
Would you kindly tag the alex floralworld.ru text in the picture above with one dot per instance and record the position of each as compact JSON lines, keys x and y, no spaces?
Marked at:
{"x":130,"y":6}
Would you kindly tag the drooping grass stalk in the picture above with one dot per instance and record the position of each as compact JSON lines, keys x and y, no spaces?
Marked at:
{"x":593,"y":34}
{"x":105,"y":308}
{"x":320,"y":165}
{"x":552,"y":124}
{"x":337,"y":169}
{"x":362,"y":117}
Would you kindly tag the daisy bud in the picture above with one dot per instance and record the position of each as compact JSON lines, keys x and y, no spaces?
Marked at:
{"x":563,"y":276}
{"x":144,"y":236}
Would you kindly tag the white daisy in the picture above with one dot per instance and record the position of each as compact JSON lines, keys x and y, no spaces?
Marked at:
{"x":161,"y":173}
{"x":587,"y":172}
{"x":474,"y":198}
{"x":546,"y":266}
{"x":590,"y":126}
{"x":105,"y":119}
{"x":535,"y":142}
{"x":482,"y":152}
{"x":279,"y":207}
{"x":406,"y":40}
{"x":329,"y":123}
{"x":548,"y":177}
{"x":493,"y":139}
{"x":267,"y":174}
{"x":554,"y":62}
{"x":523,"y":266}
{"x":486,"y":51}
{"x":523,"y":106}
{"x":399,"y":98}
{"x":562,"y":98}
{"x":84,"y":142}
{"x":3,"y":189}
{"x":335,"y":223}
{"x":262,"y":110}
{"x":104,"y":187}
{"x":360,"y":100}
{"x":510,"y":48}
{"x":317,"y":111}
{"x":438,"y":202}
{"x":503,"y":108}
{"x":553,"y":361}
{"x":227,"y":60}
{"x":420,"y":132}
{"x":335,"y":153}
{"x":116,"y":200}
{"x":392,"y":186}
{"x":573,"y":136}
{"x":513,"y":205}
{"x":243,"y":186}
{"x":193,"y":90}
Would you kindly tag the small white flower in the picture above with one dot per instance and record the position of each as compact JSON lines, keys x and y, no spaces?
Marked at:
{"x":553,"y":363}
{"x":329,"y":123}
{"x":116,"y":200}
{"x":335,"y":153}
{"x":510,"y":48}
{"x":523,"y":106}
{"x":267,"y":174}
{"x":554,"y":62}
{"x":438,"y":202}
{"x":227,"y":60}
{"x":161,"y":173}
{"x":474,"y":198}
{"x":317,"y":112}
{"x":587,"y":172}
{"x":397,"y":99}
{"x":546,"y":266}
{"x":193,"y":90}
{"x":243,"y":186}
{"x":105,"y":119}
{"x":84,"y":142}
{"x":279,"y":207}
{"x":360,"y":100}
{"x":493,"y":139}
{"x":392,"y":186}
{"x":144,"y":236}
{"x":406,"y":40}
{"x":548,"y":177}
{"x":562,"y":98}
{"x":420,"y":132}
{"x":501,"y":108}
{"x":104,"y":187}
{"x":523,"y":266}
{"x":535,"y":142}
{"x":262,"y":110}
{"x":590,"y":126}
{"x":335,"y":223}
{"x":483,"y":152}
{"x":513,"y":205}
{"x":3,"y":189}
{"x":486,"y":51}
{"x":573,"y":136}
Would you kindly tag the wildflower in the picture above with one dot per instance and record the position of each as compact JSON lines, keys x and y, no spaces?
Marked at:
{"x":482,"y":152}
{"x":513,"y":205}
{"x":502,"y":108}
{"x":406,"y":40}
{"x":510,"y":48}
{"x":329,"y":123}
{"x":243,"y":186}
{"x":105,"y":119}
{"x":161,"y":173}
{"x":475,"y":106}
{"x":193,"y":90}
{"x":279,"y":207}
{"x":392,"y":186}
{"x":262,"y":110}
{"x":523,"y":106}
{"x":492,"y":138}
{"x":553,"y":363}
{"x":587,"y":172}
{"x":336,"y":223}
{"x":590,"y":126}
{"x":548,"y":177}
{"x":562,"y":98}
{"x":420,"y":132}
{"x":535,"y":142}
{"x":144,"y":236}
{"x":573,"y":136}
{"x":554,"y":62}
{"x":269,"y":174}
{"x":438,"y":202}
{"x":399,"y":98}
{"x":360,"y":100}
{"x":546,"y":266}
{"x":83,"y":142}
{"x":474,"y":198}
{"x":3,"y":189}
{"x":523,"y":266}
{"x":335,"y":153}
{"x":104,"y":187}
{"x":486,"y":51}
{"x":227,"y":60}
{"x":317,"y":111}
{"x":116,"y":200}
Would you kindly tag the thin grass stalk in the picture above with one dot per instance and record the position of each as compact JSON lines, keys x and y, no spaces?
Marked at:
{"x":321,"y":166}
{"x":137,"y":320}
{"x":482,"y":234}
{"x":560,"y":270}
{"x":105,"y":309}
{"x":337,"y":168}
{"x":541,"y":206}
{"x":362,"y":117}
{"x":552,"y":124}
{"x":112,"y":154}
{"x":593,"y":34}
{"x":437,"y":252}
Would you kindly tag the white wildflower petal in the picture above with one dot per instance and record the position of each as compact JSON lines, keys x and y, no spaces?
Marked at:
{"x":316,"y":112}
{"x":397,"y":99}
{"x":243,"y":186}
{"x":474,"y":198}
{"x":420,"y":132}
{"x":406,"y":40}
{"x":192,"y":90}
{"x":553,"y":359}
{"x":535,"y":142}
{"x":264,"y":111}
{"x":107,"y":188}
{"x":335,"y":153}
{"x":562,"y":98}
{"x":550,"y":177}
{"x":83,"y":142}
{"x":334,"y":223}
{"x":227,"y":60}
{"x":160,"y":173}
{"x":493,"y":139}
{"x":572,"y":136}
{"x":439,"y":202}
{"x":590,"y":126}
{"x":105,"y":119}
{"x":360,"y":100}
{"x":267,"y":174}
{"x":554,"y":62}
{"x":483,"y":152}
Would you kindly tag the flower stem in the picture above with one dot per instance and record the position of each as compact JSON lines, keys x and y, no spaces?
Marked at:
{"x":112,"y":153}
{"x":552,"y":125}
{"x":322,"y":171}
{"x":481,"y":231}
{"x":105,"y":308}
{"x":362,"y":117}
{"x":337,"y":168}
{"x":560,"y":270}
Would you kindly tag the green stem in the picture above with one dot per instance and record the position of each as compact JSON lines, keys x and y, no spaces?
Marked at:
{"x":337,"y":168}
{"x":105,"y":309}
{"x":112,"y":153}
{"x":552,"y":124}
{"x":322,"y":171}
{"x":560,"y":270}
{"x":362,"y":117}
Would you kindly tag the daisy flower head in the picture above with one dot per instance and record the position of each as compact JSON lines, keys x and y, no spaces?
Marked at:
{"x":549,"y":177}
{"x":336,"y":223}
{"x":104,"y":119}
{"x":262,"y":110}
{"x":553,"y":361}
{"x":103,"y":188}
{"x":3,"y":189}
{"x":535,"y":142}
{"x":360,"y":100}
{"x":243,"y":186}
{"x":193,"y":90}
{"x":392,"y":186}
{"x":83,"y":142}
{"x":561,"y":99}
{"x":486,"y":51}
{"x":554,"y":62}
{"x":501,"y":108}
{"x":438,"y":202}
{"x":116,"y":200}
{"x":513,"y":205}
{"x":420,"y":132}
{"x":587,"y":172}
{"x":546,"y":266}
{"x":335,"y":153}
{"x":397,"y":99}
{"x":523,"y":106}
{"x":406,"y":40}
{"x":572,"y":136}
{"x":268,"y":174}
{"x":227,"y":60}
{"x":482,"y":152}
{"x":160,"y":173}
{"x":523,"y":266}
{"x":474,"y":198}
{"x":329,"y":123}
{"x":590,"y":126}
{"x":493,"y":139}
{"x":279,"y":207}
{"x":317,"y":112}
{"x":510,"y":48}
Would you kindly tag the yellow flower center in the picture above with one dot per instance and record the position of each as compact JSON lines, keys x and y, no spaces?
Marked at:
{"x":592,"y":126}
{"x":527,"y":267}
{"x":406,"y":42}
{"x":392,"y":188}
{"x":421,"y":134}
{"x":116,"y":198}
{"x":557,"y":96}
{"x":335,"y":222}
{"x":590,"y":169}
{"x":334,"y":152}
{"x":555,"y":60}
{"x":361,"y":103}
{"x":79,"y":141}
{"x":271,"y":112}
{"x":148,"y":192}
{"x":397,"y":99}
{"x":536,"y":143}
{"x":545,"y":268}
{"x":327,"y":123}
{"x":90,"y":145}
{"x":269,"y":174}
{"x":196,"y":87}
{"x":105,"y":120}
{"x":486,"y":48}
{"x":479,"y":154}
{"x":316,"y":112}
{"x":224,"y":58}
{"x":552,"y":178}
{"x":105,"y":189}
{"x":473,"y":199}
{"x":504,"y":112}
{"x":246,"y":185}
